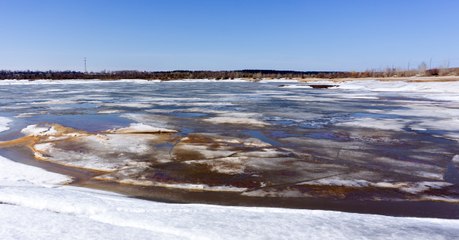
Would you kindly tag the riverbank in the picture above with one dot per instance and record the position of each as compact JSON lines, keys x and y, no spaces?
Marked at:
{"x":35,"y":205}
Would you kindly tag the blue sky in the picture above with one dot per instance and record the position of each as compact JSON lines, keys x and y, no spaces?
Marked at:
{"x":227,"y":34}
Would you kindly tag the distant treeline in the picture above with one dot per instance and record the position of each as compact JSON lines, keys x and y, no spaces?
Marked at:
{"x":246,"y":74}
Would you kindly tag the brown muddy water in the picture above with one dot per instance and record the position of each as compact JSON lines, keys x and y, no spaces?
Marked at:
{"x":242,"y":144}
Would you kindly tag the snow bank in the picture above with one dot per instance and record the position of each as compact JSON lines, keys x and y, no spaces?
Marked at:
{"x":4,"y":122}
{"x":12,"y":173}
{"x":30,"y":211}
{"x":113,"y":216}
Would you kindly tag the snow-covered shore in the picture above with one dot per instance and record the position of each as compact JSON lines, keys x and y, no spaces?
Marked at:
{"x":34,"y":205}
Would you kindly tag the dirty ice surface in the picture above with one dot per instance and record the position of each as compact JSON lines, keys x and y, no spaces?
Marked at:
{"x":363,"y":140}
{"x":34,"y":206}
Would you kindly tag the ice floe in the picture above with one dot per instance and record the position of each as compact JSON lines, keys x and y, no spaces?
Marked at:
{"x":4,"y":122}
{"x":383,"y":124}
{"x":39,"y":130}
{"x":142,"y":128}
{"x":237,"y":118}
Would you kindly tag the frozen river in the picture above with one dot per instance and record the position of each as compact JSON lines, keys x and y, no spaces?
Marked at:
{"x":362,"y":147}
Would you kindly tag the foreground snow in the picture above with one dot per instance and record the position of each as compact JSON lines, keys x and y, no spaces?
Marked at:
{"x":33,"y":211}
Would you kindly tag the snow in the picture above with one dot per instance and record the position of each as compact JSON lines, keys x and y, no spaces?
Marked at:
{"x":4,"y":122}
{"x":36,"y":130}
{"x":444,"y":91}
{"x":296,"y":86}
{"x":19,"y":174}
{"x":75,"y":213}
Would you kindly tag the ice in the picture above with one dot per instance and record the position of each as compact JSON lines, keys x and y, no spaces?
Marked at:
{"x":105,"y":152}
{"x":297,"y":86}
{"x":129,"y":105}
{"x":383,"y":124}
{"x":204,"y":80}
{"x":449,"y":126}
{"x":109,"y":111}
{"x":407,"y":187}
{"x":39,"y":130}
{"x":153,"y":120}
{"x":237,"y":118}
{"x":4,"y":122}
{"x":445,"y":91}
{"x":278,"y":80}
{"x":55,"y":102}
{"x":142,"y":128}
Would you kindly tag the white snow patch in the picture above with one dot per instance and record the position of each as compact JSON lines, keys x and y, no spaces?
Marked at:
{"x":36,"y":130}
{"x":296,"y":86}
{"x":109,"y":111}
{"x":4,"y":122}
{"x":13,"y":173}
{"x":445,"y":91}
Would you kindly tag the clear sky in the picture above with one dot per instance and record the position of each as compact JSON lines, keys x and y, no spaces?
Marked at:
{"x":227,"y":34}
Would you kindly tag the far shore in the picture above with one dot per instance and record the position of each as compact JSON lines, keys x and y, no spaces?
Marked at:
{"x":305,"y":80}
{"x":388,"y":79}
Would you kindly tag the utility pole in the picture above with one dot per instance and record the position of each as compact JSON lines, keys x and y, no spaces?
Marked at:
{"x":85,"y":66}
